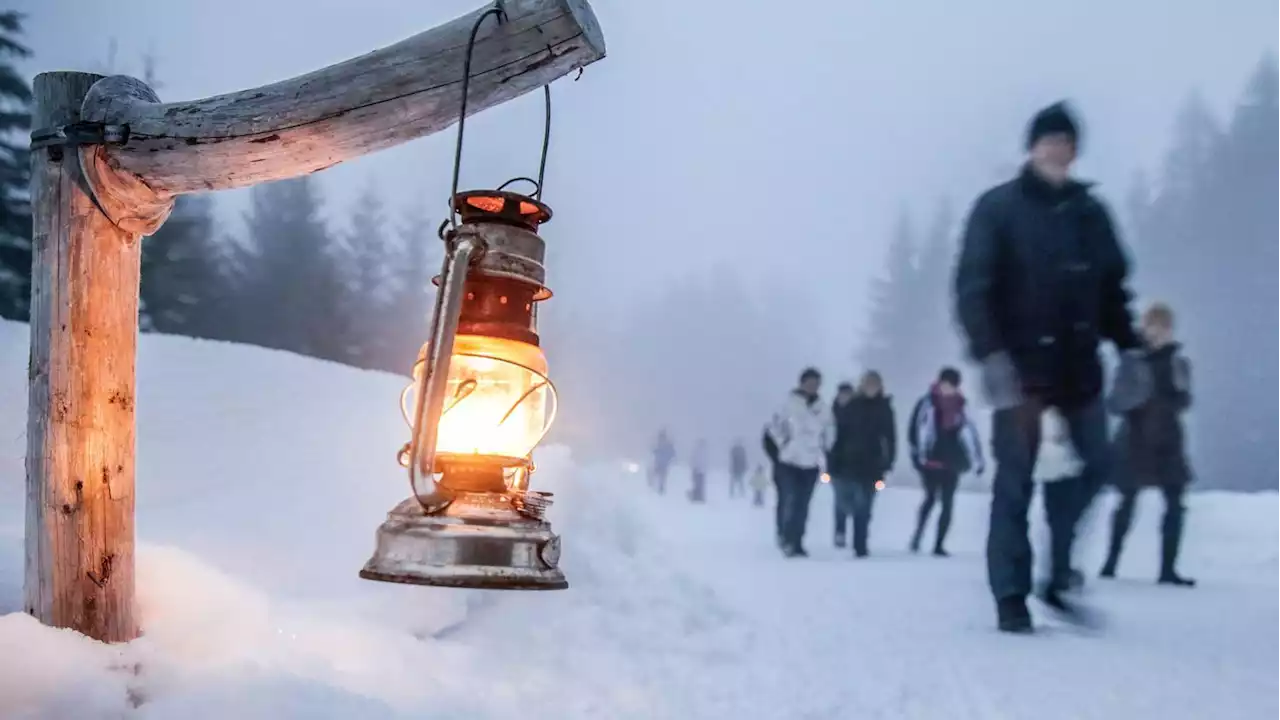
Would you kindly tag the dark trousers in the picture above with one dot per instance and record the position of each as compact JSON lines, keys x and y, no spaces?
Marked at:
{"x":779,"y":504}
{"x":1015,"y":438}
{"x":939,"y":483}
{"x":854,"y":498}
{"x":795,"y":490}
{"x":737,"y":484}
{"x":1170,"y":529}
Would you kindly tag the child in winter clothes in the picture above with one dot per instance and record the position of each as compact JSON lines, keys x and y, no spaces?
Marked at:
{"x":1150,"y":447}
{"x":759,"y":483}
{"x":698,"y":466}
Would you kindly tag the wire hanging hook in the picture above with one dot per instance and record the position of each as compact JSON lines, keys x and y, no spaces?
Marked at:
{"x":462,"y":118}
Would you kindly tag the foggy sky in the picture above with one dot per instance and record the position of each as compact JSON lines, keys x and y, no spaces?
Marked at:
{"x":776,"y":139}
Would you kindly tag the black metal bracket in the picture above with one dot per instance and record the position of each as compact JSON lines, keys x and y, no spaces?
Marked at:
{"x":80,"y":133}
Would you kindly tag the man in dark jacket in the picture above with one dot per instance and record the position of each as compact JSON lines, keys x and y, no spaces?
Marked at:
{"x":944,"y":445}
{"x":865,"y":446}
{"x":1150,"y":447}
{"x":1041,"y":282}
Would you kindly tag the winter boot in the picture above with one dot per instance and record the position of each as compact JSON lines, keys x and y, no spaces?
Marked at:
{"x":1075,"y":580}
{"x":940,"y":552}
{"x":1173,"y":578}
{"x":840,"y":541}
{"x":1071,"y":612}
{"x":1012,"y":615}
{"x":1108,"y":569}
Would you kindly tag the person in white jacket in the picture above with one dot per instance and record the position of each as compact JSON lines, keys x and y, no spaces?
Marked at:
{"x":804,"y":431}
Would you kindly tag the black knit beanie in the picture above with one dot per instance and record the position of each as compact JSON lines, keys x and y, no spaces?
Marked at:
{"x":949,"y":375}
{"x":1052,"y":120}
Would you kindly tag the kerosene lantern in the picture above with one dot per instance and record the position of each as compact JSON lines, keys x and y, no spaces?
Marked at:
{"x":480,"y":402}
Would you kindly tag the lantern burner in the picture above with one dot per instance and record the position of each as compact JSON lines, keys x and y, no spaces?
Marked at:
{"x":500,"y":206}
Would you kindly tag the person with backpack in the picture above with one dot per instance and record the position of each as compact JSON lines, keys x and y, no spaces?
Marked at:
{"x":1041,"y":282}
{"x":803,"y":431}
{"x":944,"y":445}
{"x":864,"y":450}
{"x":1150,"y":447}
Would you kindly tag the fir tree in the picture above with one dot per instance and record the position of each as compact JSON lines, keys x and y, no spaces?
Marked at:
{"x":185,"y":281}
{"x":15,"y":171}
{"x":292,"y":293}
{"x":889,"y":340}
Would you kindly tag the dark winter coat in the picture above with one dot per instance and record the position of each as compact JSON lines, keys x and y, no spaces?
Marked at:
{"x":955,"y":449}
{"x":1043,"y":277}
{"x":866,"y":438}
{"x":1150,"y":446}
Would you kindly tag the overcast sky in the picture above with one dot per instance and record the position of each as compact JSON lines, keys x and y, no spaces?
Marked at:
{"x":779,"y":139}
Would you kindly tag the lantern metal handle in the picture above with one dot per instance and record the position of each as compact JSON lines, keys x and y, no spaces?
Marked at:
{"x":434,"y":380}
{"x":462,"y":118}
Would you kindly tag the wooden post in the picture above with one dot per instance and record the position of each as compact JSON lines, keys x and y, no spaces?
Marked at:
{"x":93,"y":201}
{"x":80,"y":426}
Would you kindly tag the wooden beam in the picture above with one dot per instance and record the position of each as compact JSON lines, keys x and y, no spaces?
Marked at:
{"x":80,"y":426}
{"x":311,"y":122}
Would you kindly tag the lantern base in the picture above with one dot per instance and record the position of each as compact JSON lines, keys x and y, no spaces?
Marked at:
{"x":478,"y":541}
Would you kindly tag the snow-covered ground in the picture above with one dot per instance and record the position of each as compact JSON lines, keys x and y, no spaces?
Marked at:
{"x":262,"y":477}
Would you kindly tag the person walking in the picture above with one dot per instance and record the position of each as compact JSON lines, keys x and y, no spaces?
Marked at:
{"x":944,"y":445}
{"x":803,"y":431}
{"x":1150,"y":447}
{"x":864,"y":450}
{"x":737,"y":469}
{"x":698,"y":465}
{"x":759,"y":483}
{"x":1040,"y":283}
{"x":664,"y":453}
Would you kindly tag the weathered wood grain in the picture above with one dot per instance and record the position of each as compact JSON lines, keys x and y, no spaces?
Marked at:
{"x":80,"y":423}
{"x":365,"y":104}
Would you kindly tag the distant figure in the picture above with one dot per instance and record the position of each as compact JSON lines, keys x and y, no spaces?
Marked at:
{"x":944,"y":446}
{"x":698,"y":467}
{"x":803,"y":431}
{"x":1041,"y":281}
{"x":737,"y":469}
{"x":1150,"y":447}
{"x":865,"y":446}
{"x":664,"y":453}
{"x":759,"y":483}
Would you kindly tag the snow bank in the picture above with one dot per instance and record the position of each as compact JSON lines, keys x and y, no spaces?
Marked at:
{"x":261,"y":479}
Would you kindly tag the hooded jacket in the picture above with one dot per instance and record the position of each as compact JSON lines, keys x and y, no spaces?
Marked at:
{"x":803,"y":429}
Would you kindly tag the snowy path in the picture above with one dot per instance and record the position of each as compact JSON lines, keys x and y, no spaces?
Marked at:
{"x":740,"y":632}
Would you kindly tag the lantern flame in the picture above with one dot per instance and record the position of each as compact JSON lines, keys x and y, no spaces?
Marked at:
{"x":498,"y":403}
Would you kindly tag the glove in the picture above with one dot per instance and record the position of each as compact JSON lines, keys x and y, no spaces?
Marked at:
{"x":1132,"y":385}
{"x":1000,"y":381}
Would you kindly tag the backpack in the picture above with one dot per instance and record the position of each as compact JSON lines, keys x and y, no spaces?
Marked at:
{"x":770,"y":447}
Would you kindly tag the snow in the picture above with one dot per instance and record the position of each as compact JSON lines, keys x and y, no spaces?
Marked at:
{"x":262,"y":477}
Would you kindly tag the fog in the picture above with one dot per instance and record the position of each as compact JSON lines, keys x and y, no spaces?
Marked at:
{"x":726,"y":182}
